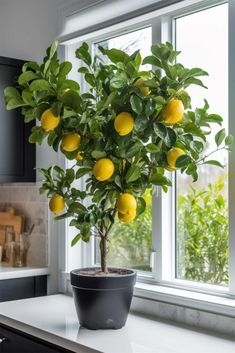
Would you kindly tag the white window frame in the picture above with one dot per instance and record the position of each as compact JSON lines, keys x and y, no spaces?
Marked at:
{"x":163,"y":273}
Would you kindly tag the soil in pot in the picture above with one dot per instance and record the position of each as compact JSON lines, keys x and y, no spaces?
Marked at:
{"x":102,"y":300}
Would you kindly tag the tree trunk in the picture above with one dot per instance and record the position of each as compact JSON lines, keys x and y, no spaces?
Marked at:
{"x":103,"y":254}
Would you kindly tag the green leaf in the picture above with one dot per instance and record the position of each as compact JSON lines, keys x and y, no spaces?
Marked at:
{"x":15,"y":103}
{"x":27,"y":97}
{"x":229,"y":140}
{"x":71,"y":99}
{"x":11,"y":92}
{"x":159,"y":179}
{"x":90,"y":78}
{"x":39,"y":85}
{"x":170,"y":138}
{"x":141,"y":206}
{"x":133,"y":173}
{"x":152,"y":148}
{"x":136,"y":104}
{"x":115,"y":55}
{"x":118,"y":81}
{"x":160,"y":130}
{"x":182,"y":161}
{"x":62,"y":216}
{"x":53,"y":48}
{"x":197,"y":72}
{"x":194,"y":81}
{"x":37,"y":135}
{"x":83,"y":70}
{"x":82,"y":171}
{"x":214,"y":162}
{"x":98,"y":154}
{"x":65,"y":68}
{"x":83,"y":54}
{"x":152,"y":60}
{"x":75,"y":239}
{"x":219,"y":137}
{"x":109,"y":99}
{"x":213,"y":118}
{"x":133,"y":150}
{"x":27,"y":76}
{"x":64,"y":84}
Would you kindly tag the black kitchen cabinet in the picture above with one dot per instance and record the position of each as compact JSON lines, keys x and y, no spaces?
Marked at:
{"x":22,"y":288}
{"x":14,"y":341}
{"x":17,"y":155}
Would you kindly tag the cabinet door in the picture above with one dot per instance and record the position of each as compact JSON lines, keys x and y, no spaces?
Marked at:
{"x":17,"y":156}
{"x":15,"y":342}
{"x":21,"y":288}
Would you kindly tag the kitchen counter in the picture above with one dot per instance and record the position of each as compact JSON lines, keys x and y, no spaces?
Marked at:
{"x":7,"y":272}
{"x":53,"y":319}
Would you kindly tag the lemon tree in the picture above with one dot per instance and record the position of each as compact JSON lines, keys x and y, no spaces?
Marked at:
{"x":128,"y":132}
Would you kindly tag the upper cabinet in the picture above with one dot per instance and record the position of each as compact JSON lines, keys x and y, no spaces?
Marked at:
{"x":17,"y":155}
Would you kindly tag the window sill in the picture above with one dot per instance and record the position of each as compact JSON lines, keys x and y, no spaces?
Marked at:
{"x":216,"y":304}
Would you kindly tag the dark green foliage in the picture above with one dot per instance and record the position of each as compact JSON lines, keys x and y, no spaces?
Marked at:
{"x":140,"y":158}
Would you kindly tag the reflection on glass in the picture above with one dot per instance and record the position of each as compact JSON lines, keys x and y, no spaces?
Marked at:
{"x":131,"y":243}
{"x":202,"y":207}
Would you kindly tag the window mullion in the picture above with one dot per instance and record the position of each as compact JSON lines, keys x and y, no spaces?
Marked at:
{"x":232,"y":154}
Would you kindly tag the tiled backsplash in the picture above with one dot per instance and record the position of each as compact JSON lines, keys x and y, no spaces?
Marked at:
{"x":27,"y":200}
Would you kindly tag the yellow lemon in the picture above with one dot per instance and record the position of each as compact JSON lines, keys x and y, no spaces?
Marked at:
{"x":124,"y":123}
{"x":103,"y":169}
{"x":126,"y":203}
{"x":48,"y":121}
{"x":71,"y":142}
{"x":173,"y":112}
{"x":172,"y":155}
{"x":79,"y":157}
{"x":127,"y":217}
{"x":56,"y":204}
{"x":144,"y":90}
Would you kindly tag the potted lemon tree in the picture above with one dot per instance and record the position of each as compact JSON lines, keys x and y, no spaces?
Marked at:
{"x":125,"y":134}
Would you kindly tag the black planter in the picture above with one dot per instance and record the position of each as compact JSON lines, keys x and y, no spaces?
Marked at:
{"x":102,"y":302}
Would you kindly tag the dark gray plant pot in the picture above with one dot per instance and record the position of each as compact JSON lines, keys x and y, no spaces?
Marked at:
{"x":102,"y":302}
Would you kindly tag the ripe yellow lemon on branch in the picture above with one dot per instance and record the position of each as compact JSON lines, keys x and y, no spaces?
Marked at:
{"x":49,"y":121}
{"x":127,"y":217}
{"x":124,"y":123}
{"x":172,"y":155}
{"x":71,"y":142}
{"x":56,"y":204}
{"x":173,"y":112}
{"x":126,"y":204}
{"x":103,"y":169}
{"x":144,"y":90}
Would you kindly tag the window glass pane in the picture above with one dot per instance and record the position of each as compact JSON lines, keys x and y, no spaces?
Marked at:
{"x":131,"y":243}
{"x":202,"y":207}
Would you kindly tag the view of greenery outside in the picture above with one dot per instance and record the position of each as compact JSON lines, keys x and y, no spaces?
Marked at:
{"x":202,"y":229}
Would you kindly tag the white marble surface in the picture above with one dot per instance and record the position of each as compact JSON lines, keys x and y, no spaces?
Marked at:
{"x":53,"y":318}
{"x":18,"y":272}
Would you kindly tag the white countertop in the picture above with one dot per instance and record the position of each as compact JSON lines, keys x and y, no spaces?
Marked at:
{"x":53,"y":318}
{"x":7,"y":272}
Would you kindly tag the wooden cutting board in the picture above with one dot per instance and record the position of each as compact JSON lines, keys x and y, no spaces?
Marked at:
{"x":11,"y":219}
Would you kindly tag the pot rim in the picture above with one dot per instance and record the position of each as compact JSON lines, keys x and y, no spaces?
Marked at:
{"x":77,"y":272}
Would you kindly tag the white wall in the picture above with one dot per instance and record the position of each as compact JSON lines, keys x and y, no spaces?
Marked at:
{"x":27,"y":27}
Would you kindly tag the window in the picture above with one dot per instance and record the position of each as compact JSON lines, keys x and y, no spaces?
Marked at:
{"x":182,"y":238}
{"x":202,"y":207}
